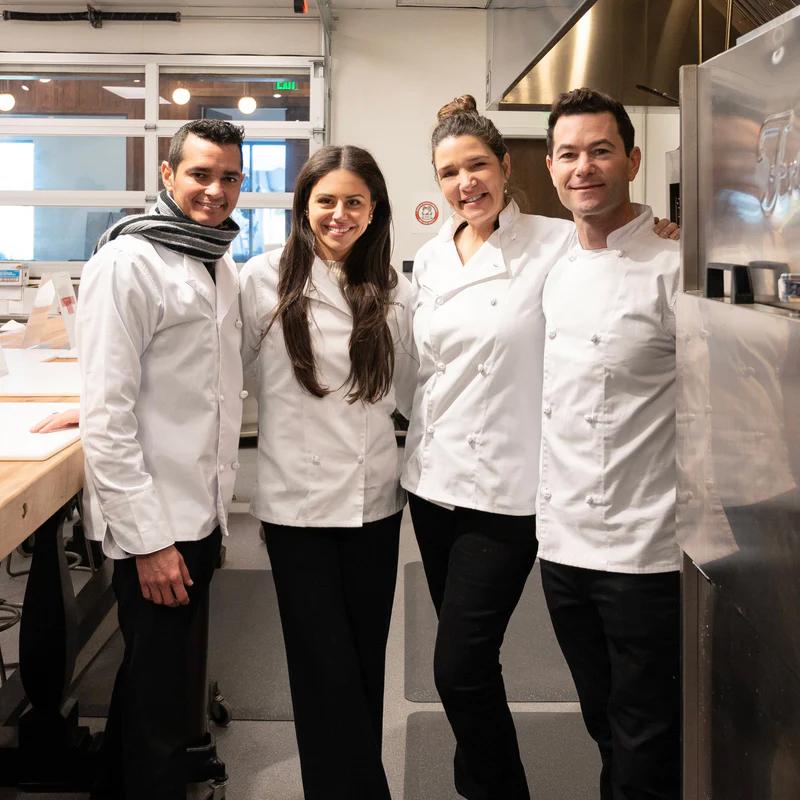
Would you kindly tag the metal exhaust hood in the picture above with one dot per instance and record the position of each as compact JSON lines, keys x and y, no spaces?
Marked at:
{"x":540,"y":48}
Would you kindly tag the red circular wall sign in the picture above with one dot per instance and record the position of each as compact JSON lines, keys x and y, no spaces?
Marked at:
{"x":427,"y":212}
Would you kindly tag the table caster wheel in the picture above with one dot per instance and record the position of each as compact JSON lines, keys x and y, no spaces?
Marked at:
{"x":218,"y":709}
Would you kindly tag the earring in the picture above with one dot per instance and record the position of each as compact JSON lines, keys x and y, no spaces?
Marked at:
{"x":370,"y":219}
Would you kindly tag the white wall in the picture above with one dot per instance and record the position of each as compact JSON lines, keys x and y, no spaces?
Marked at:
{"x":392,"y":71}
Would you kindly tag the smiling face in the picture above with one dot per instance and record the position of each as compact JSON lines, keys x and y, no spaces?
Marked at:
{"x":339,"y":209}
{"x":589,"y":167}
{"x":472,"y":179}
{"x":207,"y":181}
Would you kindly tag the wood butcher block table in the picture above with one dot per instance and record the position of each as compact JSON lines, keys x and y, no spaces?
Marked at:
{"x":43,"y":747}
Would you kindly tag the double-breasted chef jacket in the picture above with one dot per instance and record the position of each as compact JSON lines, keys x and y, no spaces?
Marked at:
{"x":322,"y":461}
{"x":608,"y":484}
{"x":161,"y":397}
{"x":473,"y":438}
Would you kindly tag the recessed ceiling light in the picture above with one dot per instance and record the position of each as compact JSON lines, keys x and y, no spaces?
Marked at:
{"x":45,"y":80}
{"x":25,"y":87}
{"x":277,"y":95}
{"x":7,"y":101}
{"x":247,"y":105}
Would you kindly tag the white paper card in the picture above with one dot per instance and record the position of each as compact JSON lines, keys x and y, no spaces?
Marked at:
{"x":19,"y":444}
{"x":67,"y":303}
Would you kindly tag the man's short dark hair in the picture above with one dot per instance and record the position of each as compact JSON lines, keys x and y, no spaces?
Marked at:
{"x":588,"y":101}
{"x":218,"y":131}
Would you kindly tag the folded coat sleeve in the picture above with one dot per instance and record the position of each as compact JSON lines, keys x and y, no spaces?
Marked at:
{"x":406,"y":362}
{"x":120,"y":305}
{"x":251,"y":329}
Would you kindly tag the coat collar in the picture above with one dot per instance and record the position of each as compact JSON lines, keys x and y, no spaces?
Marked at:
{"x":220,"y":296}
{"x":489,"y":262}
{"x":323,"y":287}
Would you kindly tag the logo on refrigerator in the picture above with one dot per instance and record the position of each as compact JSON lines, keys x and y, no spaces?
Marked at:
{"x":777,"y":167}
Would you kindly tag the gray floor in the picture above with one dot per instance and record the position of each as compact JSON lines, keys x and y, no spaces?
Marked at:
{"x":261,"y":755}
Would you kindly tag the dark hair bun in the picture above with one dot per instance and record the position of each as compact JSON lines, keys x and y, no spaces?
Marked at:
{"x":459,"y":105}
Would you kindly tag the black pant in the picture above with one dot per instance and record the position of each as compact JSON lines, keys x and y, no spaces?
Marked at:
{"x":148,"y":726}
{"x":476,"y":564}
{"x":335,"y":590}
{"x":620,"y":635}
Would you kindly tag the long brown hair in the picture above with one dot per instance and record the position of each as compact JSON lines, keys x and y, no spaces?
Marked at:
{"x":369,"y":282}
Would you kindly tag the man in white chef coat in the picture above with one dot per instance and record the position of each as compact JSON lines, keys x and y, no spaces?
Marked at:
{"x":606,"y":506}
{"x":159,"y":336}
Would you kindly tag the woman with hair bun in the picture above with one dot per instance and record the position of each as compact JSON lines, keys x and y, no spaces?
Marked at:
{"x":472,"y":449}
{"x":327,"y":343}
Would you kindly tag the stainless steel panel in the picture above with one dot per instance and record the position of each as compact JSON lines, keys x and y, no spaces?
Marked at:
{"x":748,"y":118}
{"x":691,"y":277}
{"x":617,"y":44}
{"x":746,"y":708}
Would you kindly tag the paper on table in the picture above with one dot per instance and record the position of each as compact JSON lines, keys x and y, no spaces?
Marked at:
{"x":19,"y":444}
{"x":31,"y":373}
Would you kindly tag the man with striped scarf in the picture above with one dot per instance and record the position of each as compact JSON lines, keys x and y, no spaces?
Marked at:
{"x":158,"y":336}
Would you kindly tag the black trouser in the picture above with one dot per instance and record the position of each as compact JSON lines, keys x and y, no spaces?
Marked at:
{"x":476,"y":564}
{"x":148,"y":730}
{"x":620,"y":635}
{"x":335,"y":590}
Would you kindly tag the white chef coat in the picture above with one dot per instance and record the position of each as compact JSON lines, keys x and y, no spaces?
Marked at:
{"x":607,"y":486}
{"x":322,"y":462}
{"x":473,"y":439}
{"x":160,"y":399}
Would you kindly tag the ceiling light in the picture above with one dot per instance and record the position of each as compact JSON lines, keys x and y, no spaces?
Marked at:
{"x":181,"y":96}
{"x":137,"y":80}
{"x":277,"y":95}
{"x":45,"y":80}
{"x":25,"y":87}
{"x":247,"y":105}
{"x":7,"y":101}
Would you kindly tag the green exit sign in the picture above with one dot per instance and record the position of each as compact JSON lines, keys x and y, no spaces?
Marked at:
{"x":286,"y":86}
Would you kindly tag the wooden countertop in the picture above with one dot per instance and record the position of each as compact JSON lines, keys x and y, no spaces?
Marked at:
{"x":32,"y":491}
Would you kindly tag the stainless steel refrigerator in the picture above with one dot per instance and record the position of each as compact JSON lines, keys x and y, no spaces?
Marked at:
{"x":738,"y":418}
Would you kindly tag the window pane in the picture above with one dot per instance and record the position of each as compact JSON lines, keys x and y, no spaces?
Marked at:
{"x":279,"y":96}
{"x":269,"y":165}
{"x":263,"y":229}
{"x":51,"y":233}
{"x":86,"y":94}
{"x":114,"y":163}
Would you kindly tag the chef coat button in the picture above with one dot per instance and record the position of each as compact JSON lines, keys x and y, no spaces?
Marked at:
{"x":222,"y":398}
{"x":590,"y":500}
{"x":482,"y":369}
{"x":546,"y":493}
{"x":589,"y":418}
{"x":439,"y":301}
{"x":238,"y":323}
{"x":243,"y":394}
{"x":472,"y":440}
{"x":620,"y":253}
{"x":440,"y":366}
{"x":315,"y":459}
{"x":709,"y":409}
{"x":429,"y":430}
{"x":513,"y":236}
{"x":361,"y":459}
{"x":551,"y":334}
{"x":493,"y":301}
{"x":572,"y":257}
{"x":595,"y":338}
{"x":548,"y":410}
{"x":235,"y":465}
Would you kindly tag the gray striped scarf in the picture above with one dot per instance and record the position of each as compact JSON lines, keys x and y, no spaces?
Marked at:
{"x":167,"y":225}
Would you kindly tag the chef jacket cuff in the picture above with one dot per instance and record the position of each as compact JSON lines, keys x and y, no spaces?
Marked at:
{"x":137,"y":522}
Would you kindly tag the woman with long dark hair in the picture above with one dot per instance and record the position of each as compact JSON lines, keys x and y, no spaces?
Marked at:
{"x":327,"y":343}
